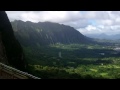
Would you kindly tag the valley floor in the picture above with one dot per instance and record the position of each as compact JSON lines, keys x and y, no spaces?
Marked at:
{"x":74,"y":61}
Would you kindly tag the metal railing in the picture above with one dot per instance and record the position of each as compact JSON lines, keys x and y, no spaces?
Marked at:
{"x":16,"y":72}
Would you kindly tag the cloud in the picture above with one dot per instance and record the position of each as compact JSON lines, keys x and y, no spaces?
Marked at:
{"x":80,"y":23}
{"x":90,"y":29}
{"x":36,"y":16}
{"x":84,"y":21}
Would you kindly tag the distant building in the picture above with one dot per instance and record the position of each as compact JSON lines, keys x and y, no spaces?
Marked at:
{"x":102,"y":64}
{"x":102,"y":53}
{"x":60,"y":54}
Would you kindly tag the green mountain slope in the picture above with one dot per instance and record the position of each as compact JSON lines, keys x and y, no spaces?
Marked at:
{"x":45,"y":33}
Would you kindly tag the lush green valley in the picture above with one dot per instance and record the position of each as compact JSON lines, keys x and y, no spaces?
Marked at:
{"x":76,"y":61}
{"x":55,"y":51}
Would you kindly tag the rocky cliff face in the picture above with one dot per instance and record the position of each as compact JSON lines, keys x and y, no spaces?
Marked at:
{"x":10,"y":50}
{"x":3,"y":57}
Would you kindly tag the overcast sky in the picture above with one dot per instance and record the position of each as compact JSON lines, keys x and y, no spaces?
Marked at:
{"x":87,"y":22}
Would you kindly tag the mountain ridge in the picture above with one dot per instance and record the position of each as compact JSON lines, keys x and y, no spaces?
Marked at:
{"x":104,"y":36}
{"x":45,"y":33}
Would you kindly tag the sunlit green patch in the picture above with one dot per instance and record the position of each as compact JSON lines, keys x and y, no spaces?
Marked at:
{"x":90,"y":47}
{"x":94,"y":70}
{"x":110,"y":66}
{"x":116,"y":66}
{"x":103,"y":74}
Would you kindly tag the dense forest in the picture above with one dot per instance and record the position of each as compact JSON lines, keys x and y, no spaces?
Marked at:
{"x":56,"y":51}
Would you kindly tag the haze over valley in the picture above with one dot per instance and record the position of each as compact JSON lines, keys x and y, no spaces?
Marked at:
{"x":69,"y":44}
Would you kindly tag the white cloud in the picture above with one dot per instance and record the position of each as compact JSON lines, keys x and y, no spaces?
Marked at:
{"x":85,"y":22}
{"x":90,"y":28}
{"x":54,"y":16}
{"x":105,"y":22}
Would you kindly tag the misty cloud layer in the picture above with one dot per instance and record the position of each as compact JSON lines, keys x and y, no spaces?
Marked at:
{"x":87,"y":22}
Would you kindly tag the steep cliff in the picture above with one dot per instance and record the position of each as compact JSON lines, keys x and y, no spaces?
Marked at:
{"x":45,"y":33}
{"x":10,"y":49}
{"x":3,"y":57}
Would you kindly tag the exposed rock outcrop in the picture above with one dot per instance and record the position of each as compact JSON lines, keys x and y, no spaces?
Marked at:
{"x":10,"y":49}
{"x":3,"y":57}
